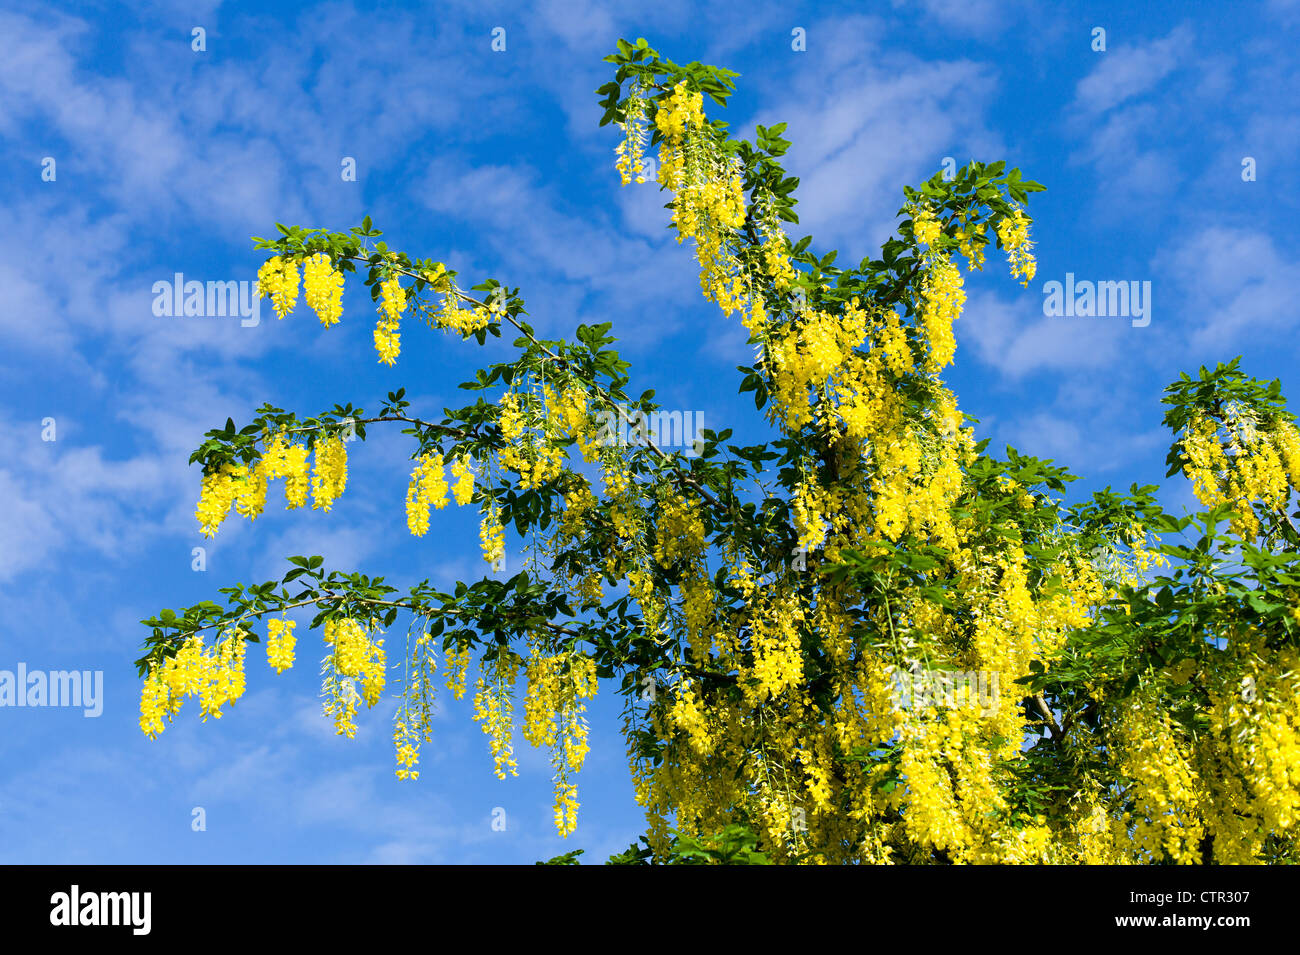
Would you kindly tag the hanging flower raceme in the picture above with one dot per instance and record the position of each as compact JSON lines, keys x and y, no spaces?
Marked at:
{"x":467,"y":321}
{"x":214,"y":674}
{"x":278,"y":278}
{"x":494,"y":710}
{"x":1013,"y":233}
{"x":925,"y":226}
{"x":492,"y":536}
{"x":356,"y":658}
{"x":392,"y":305}
{"x":942,"y":298}
{"x":463,"y":489}
{"x":280,"y":643}
{"x":413,"y":719}
{"x":631,"y":148}
{"x":330,"y":477}
{"x":776,"y":261}
{"x":553,"y":717}
{"x":428,"y":486}
{"x":709,"y":200}
{"x":1248,"y":466}
{"x":526,"y":452}
{"x":971,"y":243}
{"x":323,"y":286}
{"x":683,"y":109}
{"x":220,"y":489}
{"x":569,"y":417}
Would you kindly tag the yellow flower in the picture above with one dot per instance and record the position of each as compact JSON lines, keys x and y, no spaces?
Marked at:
{"x":392,"y":304}
{"x":428,"y":486}
{"x":492,"y":536}
{"x":280,"y":643}
{"x":331,"y":474}
{"x":925,"y":226}
{"x":942,"y":298}
{"x":463,"y":490}
{"x":323,"y":286}
{"x":278,"y":278}
{"x":1013,"y":233}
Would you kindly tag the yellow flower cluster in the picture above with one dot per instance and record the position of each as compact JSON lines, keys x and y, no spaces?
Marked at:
{"x":294,"y":469}
{"x":680,"y":530}
{"x":942,"y":298}
{"x":775,"y":261}
{"x":808,"y":355}
{"x":406,"y":741}
{"x":1263,"y":467}
{"x":330,"y":476}
{"x":776,"y":621}
{"x":245,"y":487}
{"x":631,"y":149}
{"x":463,"y":489}
{"x":278,"y":278}
{"x":280,"y":643}
{"x":699,"y":611}
{"x":709,"y":197}
{"x":218,"y":492}
{"x":934,"y":815}
{"x":915,"y":484}
{"x":641,"y":587}
{"x":457,"y":667}
{"x":1275,"y":751}
{"x":529,"y":454}
{"x":682,"y":110}
{"x":494,"y":711}
{"x":428,"y":486}
{"x":1166,"y":787}
{"x":925,"y":226}
{"x":511,"y":418}
{"x":706,"y":210}
{"x":1255,"y":737}
{"x":1013,"y":233}
{"x":891,"y":339}
{"x":438,"y":277}
{"x":688,"y":716}
{"x":323,"y":286}
{"x":553,"y":708}
{"x":467,"y":321}
{"x":214,"y":674}
{"x":972,"y":245}
{"x":809,"y":522}
{"x":392,"y":303}
{"x":568,"y":417}
{"x":492,"y":536}
{"x":356,"y":657}
{"x":250,"y":495}
{"x":578,"y":503}
{"x":413,"y":719}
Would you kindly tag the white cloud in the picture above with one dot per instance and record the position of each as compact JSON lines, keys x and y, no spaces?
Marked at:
{"x":1233,"y":284}
{"x":865,"y":121}
{"x":570,"y":268}
{"x":1128,"y":70}
{"x":60,"y":494}
{"x":1016,"y":338}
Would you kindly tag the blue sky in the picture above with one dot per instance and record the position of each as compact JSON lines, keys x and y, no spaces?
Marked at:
{"x":168,"y":159}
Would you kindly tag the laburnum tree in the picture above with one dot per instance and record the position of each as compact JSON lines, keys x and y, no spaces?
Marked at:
{"x":768,"y":611}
